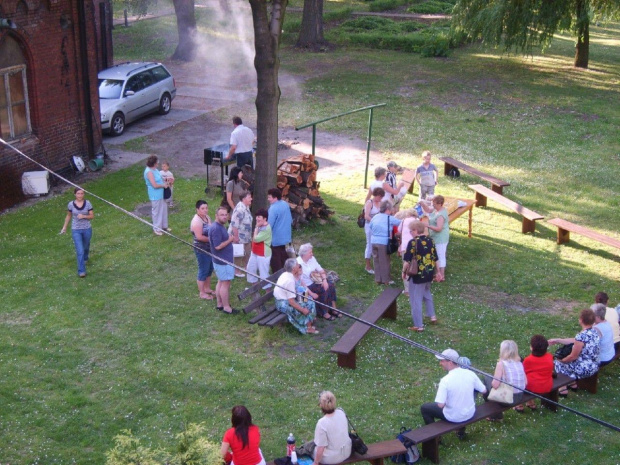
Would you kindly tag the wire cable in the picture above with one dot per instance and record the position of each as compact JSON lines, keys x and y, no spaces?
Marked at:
{"x":392,"y":334}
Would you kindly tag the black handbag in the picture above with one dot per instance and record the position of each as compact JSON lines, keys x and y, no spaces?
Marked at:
{"x":563,"y":351}
{"x":392,"y":245}
{"x":357,"y":443}
{"x":361,"y":219}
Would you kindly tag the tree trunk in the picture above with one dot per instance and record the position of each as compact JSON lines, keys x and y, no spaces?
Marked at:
{"x":267,"y":33}
{"x":582,"y":49}
{"x":186,"y":26}
{"x":311,"y":34}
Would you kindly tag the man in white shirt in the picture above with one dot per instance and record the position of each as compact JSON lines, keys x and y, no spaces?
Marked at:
{"x":455,"y":400}
{"x":241,"y":144}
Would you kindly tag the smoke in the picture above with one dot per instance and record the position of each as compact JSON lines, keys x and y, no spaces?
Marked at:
{"x":225,"y":49}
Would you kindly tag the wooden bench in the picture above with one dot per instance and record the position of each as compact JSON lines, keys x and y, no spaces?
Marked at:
{"x":268,"y":314}
{"x":590,"y":383}
{"x":376,"y":452}
{"x":566,"y":227}
{"x":529,"y":216}
{"x":497,"y":185}
{"x":429,"y":435}
{"x":384,"y":306}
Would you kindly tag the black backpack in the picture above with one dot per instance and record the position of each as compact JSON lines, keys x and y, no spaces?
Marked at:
{"x":454,"y":172}
{"x":412,"y":455}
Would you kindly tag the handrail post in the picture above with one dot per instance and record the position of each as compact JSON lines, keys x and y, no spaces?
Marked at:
{"x":313,"y":138}
{"x":368,"y":149}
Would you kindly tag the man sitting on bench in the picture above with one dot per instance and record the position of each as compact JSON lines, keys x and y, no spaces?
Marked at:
{"x":454,"y":401}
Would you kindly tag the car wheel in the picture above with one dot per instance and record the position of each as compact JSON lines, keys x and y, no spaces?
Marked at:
{"x":117,"y":125}
{"x":165,"y":104}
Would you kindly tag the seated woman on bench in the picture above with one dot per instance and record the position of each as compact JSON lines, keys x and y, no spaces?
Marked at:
{"x":325,"y":290}
{"x":300,"y":314}
{"x":582,"y":362}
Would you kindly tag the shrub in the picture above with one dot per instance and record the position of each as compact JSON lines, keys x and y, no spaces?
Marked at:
{"x":436,"y":46}
{"x":385,"y":5}
{"x":368,"y":23}
{"x":432,"y":7}
{"x":337,"y":15}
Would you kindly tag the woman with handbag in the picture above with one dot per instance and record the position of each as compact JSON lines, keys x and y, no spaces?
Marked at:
{"x":371,"y":208}
{"x":582,"y":362}
{"x":508,"y":369}
{"x":314,"y":277}
{"x":419,"y":262}
{"x":439,"y":230}
{"x":383,"y":241}
{"x":331,"y":435}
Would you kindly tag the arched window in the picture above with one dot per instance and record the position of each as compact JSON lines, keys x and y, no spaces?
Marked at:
{"x":14,"y":109}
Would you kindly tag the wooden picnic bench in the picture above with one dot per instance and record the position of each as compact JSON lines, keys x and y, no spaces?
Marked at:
{"x":429,"y":435}
{"x":566,"y":227}
{"x":376,"y":452}
{"x":268,"y":314}
{"x":529,"y":216}
{"x":384,"y":306}
{"x":590,"y":383}
{"x":497,"y":185}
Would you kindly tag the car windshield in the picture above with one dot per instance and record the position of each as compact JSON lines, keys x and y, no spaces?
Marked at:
{"x":110,"y":88}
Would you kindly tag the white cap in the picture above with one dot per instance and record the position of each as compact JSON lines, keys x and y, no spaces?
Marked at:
{"x":448,"y":354}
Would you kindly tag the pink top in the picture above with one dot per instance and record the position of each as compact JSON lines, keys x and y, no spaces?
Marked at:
{"x":405,"y":233}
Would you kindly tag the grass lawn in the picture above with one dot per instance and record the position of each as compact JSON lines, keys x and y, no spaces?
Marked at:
{"x":132,"y":346}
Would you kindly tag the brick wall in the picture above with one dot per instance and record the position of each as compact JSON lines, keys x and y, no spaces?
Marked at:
{"x":49,"y":34}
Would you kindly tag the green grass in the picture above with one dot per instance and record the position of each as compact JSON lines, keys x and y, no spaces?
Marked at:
{"x":132,"y":347}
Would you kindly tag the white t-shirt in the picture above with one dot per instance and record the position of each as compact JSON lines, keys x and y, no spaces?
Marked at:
{"x":376,"y":183}
{"x":612,"y":316}
{"x":243,"y":137}
{"x":287,"y":281}
{"x":307,"y":268}
{"x":332,"y":432}
{"x":456,"y":390}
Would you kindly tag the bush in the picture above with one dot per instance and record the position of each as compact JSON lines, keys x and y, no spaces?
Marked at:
{"x":436,"y":46}
{"x":432,"y":7}
{"x":385,"y":5}
{"x":368,"y":23}
{"x":337,"y":15}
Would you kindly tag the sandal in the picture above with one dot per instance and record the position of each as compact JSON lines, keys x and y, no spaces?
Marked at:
{"x":434,"y":320}
{"x":573,"y":388}
{"x":331,"y":318}
{"x":519,"y":408}
{"x":563,"y":393}
{"x":416,"y":329}
{"x":531,"y":405}
{"x":336,"y":314}
{"x":206,"y":296}
{"x":312,"y":331}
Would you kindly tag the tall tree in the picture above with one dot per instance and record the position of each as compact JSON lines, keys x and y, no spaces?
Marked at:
{"x":526,"y":24}
{"x":311,"y":33}
{"x":186,"y":27}
{"x":268,"y":16}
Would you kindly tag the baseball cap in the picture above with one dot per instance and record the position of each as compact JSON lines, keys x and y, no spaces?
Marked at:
{"x":448,"y":354}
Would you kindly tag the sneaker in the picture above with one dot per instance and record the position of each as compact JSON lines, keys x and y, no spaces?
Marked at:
{"x":239,"y":275}
{"x":158,"y":233}
{"x":370,"y":271}
{"x":390,"y":283}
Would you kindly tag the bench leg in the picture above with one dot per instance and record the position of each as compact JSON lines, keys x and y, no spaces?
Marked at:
{"x":553,"y":396}
{"x":589,"y":384}
{"x":390,"y":312}
{"x":347,"y":360}
{"x":430,"y":449}
{"x":529,"y":226}
{"x":563,"y":236}
{"x":481,"y":200}
{"x":446,"y":168}
{"x":498,"y":189}
{"x":378,"y":461}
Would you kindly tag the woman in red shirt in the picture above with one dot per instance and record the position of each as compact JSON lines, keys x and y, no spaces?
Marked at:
{"x":241,"y":443}
{"x":538,"y":368}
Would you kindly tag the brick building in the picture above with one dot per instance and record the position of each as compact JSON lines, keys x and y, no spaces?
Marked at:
{"x":50,"y":54}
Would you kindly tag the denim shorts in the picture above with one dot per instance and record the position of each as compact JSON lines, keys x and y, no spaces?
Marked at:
{"x":224,"y":272}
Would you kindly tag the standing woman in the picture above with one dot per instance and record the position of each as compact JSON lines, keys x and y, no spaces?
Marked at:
{"x":80,"y":212}
{"x":381,"y":228}
{"x":241,"y":443}
{"x":439,"y":230}
{"x":202,"y":248}
{"x":155,"y":185}
{"x":371,"y":208}
{"x":234,"y":188}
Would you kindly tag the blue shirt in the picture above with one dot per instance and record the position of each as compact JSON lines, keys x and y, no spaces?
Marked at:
{"x":280,"y":220}
{"x":217,"y":235}
{"x":155,"y":193}
{"x":379,"y":228}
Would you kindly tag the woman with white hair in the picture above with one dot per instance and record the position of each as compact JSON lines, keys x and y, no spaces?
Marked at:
{"x":331,"y":435}
{"x":314,"y":277}
{"x":300,"y":314}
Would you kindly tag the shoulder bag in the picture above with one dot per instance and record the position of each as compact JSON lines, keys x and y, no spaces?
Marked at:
{"x":412,"y":268}
{"x":361,"y":219}
{"x":392,"y":245}
{"x":503,"y":394}
{"x":357,"y":443}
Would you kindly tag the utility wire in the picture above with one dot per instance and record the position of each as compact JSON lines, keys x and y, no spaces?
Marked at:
{"x":407,"y":341}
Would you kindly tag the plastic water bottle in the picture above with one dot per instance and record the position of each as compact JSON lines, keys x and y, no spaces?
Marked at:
{"x":290,"y":444}
{"x":294,"y":458}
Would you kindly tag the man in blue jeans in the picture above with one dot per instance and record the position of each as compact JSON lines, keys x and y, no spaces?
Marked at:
{"x":281,"y":221}
{"x":241,"y":144}
{"x":455,"y":400}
